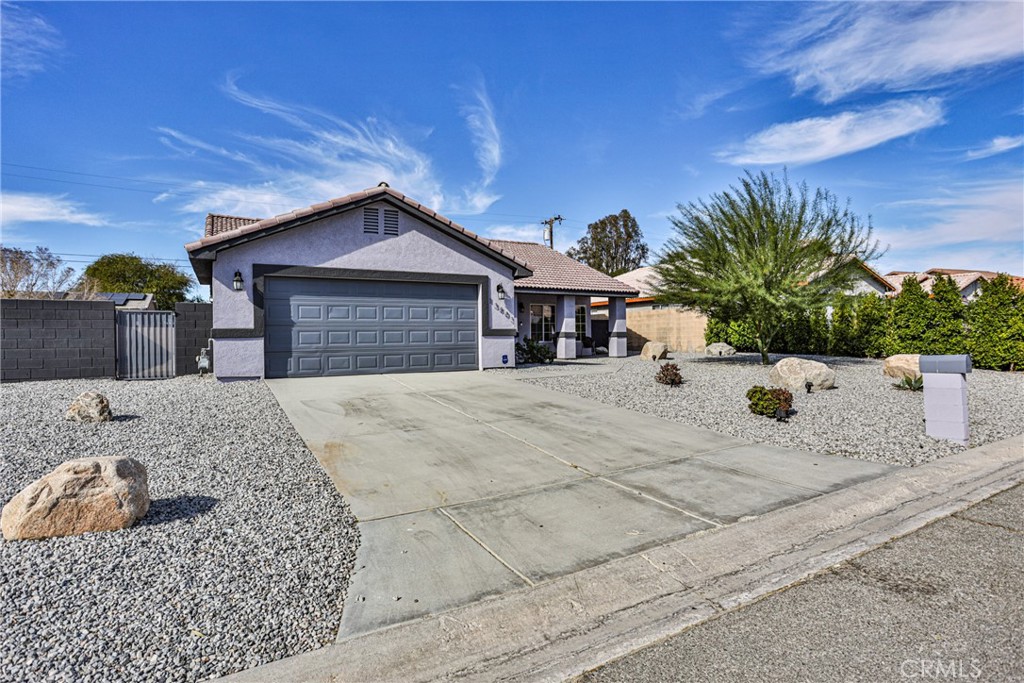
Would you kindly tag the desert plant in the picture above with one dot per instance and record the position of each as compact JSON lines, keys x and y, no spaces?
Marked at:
{"x":768,"y":401}
{"x":530,"y":351}
{"x":910,"y":384}
{"x":669,"y":374}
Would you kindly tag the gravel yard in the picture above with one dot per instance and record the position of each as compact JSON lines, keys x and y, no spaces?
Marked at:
{"x":863,"y":417}
{"x":243,"y":558}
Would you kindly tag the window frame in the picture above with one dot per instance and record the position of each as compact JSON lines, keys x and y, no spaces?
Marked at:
{"x":581,"y":323}
{"x":544,"y":324}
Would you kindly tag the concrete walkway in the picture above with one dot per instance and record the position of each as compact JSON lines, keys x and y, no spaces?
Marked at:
{"x":470,"y":485}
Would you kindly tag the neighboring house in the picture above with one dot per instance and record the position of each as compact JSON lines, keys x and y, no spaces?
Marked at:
{"x":130,"y":301}
{"x":969,"y":281}
{"x":682,"y":328}
{"x":375,"y":282}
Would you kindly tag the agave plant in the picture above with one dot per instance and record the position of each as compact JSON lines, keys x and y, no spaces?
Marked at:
{"x":910,"y":384}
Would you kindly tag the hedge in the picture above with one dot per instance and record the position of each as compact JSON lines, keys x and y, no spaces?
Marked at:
{"x":991,"y":328}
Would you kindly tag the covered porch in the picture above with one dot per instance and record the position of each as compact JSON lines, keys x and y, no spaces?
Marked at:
{"x":562,"y":322}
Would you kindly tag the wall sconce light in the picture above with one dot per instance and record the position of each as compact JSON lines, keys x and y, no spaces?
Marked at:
{"x":237,"y":282}
{"x":501,"y":292}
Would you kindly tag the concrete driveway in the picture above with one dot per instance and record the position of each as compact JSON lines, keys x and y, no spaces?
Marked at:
{"x":467,"y":485}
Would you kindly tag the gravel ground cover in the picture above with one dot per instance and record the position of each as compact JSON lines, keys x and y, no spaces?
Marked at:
{"x":863,"y":417}
{"x":243,"y":558}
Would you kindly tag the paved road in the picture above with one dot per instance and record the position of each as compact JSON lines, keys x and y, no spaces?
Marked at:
{"x":944,"y":603}
{"x":469,"y":485}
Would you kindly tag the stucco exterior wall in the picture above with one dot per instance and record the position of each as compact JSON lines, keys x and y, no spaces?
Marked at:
{"x":339,"y":242}
{"x":865,"y":284}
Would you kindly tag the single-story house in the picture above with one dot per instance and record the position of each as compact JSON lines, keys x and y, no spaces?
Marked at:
{"x":375,"y":282}
{"x":647,"y":320}
{"x":969,"y":281}
{"x":683,"y":328}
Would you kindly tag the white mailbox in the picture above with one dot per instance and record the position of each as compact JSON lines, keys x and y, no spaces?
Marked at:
{"x":945,"y":397}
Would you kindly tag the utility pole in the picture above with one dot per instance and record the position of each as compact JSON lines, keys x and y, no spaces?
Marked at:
{"x":549,"y":231}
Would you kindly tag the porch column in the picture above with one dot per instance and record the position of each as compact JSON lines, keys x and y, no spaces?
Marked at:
{"x":617,"y":327}
{"x":565,"y":325}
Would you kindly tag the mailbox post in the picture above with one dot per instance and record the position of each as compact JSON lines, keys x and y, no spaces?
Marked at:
{"x":945,"y":397}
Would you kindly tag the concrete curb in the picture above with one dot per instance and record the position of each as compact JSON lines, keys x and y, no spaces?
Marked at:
{"x":560,"y":629}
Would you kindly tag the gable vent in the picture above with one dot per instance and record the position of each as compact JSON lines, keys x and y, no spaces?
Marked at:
{"x":371,"y":220}
{"x":390,"y":221}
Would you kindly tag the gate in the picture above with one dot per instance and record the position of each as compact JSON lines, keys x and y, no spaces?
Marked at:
{"x":145,"y":345}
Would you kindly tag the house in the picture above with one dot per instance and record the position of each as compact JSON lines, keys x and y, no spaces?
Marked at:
{"x":646,"y":320}
{"x":375,"y":282}
{"x":969,"y":281}
{"x":682,"y":328}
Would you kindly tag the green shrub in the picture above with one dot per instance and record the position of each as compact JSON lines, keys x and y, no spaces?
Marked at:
{"x":716,"y":331}
{"x":872,"y":317}
{"x":742,"y":336}
{"x":996,"y":326}
{"x":947,"y":331}
{"x":669,"y":374}
{"x":530,"y":351}
{"x":765,"y":401}
{"x":910,"y":316}
{"x":842,"y":333}
{"x":819,"y":332}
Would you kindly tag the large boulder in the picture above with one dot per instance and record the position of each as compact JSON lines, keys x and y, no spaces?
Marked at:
{"x":795,"y":373}
{"x":902,"y":365}
{"x":90,"y":406}
{"x":719,"y":349}
{"x":654,"y":351}
{"x":89,"y":494}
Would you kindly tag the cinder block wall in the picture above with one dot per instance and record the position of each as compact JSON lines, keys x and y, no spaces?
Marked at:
{"x":192,"y":328}
{"x":681,"y":329}
{"x":43,"y":339}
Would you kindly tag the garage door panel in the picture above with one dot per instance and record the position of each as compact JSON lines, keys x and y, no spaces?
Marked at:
{"x":337,"y":327}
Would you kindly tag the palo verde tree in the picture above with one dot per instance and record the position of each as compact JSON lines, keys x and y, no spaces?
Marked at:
{"x":613,"y":245}
{"x":131,"y":273}
{"x":763,"y":251}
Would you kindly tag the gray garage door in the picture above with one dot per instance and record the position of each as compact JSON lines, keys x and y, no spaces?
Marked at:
{"x":342,"y":327}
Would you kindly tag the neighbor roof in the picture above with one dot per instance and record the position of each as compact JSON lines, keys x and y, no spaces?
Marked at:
{"x":216,"y":223}
{"x":642,"y":279}
{"x":553,"y":271}
{"x":223,"y":231}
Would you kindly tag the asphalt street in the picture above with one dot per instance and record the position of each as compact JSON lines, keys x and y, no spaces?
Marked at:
{"x":944,"y":603}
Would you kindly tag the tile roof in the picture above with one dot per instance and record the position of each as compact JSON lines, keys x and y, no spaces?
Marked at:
{"x":216,"y":223}
{"x":555,"y":271}
{"x":962,"y":278}
{"x":231,"y":227}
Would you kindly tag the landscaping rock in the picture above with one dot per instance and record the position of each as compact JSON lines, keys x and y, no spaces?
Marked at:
{"x":90,"y":494}
{"x":719,"y":349}
{"x":90,"y":406}
{"x":601,"y":349}
{"x":654,"y":351}
{"x":902,"y":365}
{"x":794,"y":373}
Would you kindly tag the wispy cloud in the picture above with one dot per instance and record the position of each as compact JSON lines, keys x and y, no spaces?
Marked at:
{"x":694,"y":107}
{"x":19,"y":208}
{"x":990,"y":213}
{"x":998,"y":145}
{"x":329,"y":156}
{"x":479,"y":115}
{"x":520,"y":232}
{"x":29,"y":43}
{"x":835,"y":49}
{"x":819,"y":138}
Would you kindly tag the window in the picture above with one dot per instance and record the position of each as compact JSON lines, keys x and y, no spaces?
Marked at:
{"x":581,"y":322}
{"x":542,"y":322}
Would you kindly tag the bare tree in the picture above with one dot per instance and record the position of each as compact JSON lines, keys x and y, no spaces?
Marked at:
{"x":40,"y":274}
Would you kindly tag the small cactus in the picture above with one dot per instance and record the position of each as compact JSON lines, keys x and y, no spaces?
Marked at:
{"x":669,"y":374}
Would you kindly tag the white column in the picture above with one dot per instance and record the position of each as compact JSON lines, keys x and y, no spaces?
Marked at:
{"x":565,"y":325}
{"x":617,"y":327}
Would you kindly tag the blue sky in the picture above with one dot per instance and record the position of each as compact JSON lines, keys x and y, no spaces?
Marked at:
{"x":123,"y":124}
